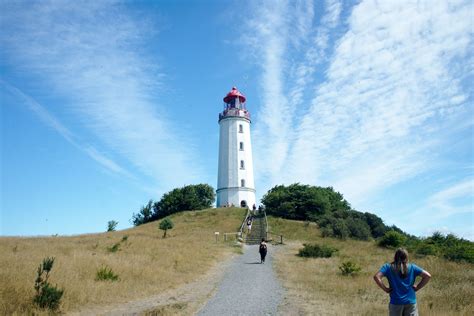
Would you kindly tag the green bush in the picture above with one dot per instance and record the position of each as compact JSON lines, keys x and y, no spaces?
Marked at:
{"x":349,"y":268}
{"x":327,"y":232}
{"x":426,"y":249}
{"x":460,"y":252}
{"x":358,"y":228}
{"x":316,"y":251}
{"x":340,"y":229}
{"x":47,"y":295}
{"x":114,"y":248}
{"x":105,"y":273}
{"x":392,"y":239}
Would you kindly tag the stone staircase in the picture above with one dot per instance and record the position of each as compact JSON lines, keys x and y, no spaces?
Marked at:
{"x":258,"y":230}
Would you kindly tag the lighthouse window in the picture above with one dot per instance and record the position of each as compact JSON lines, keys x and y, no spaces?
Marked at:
{"x":242,"y":183}
{"x":241,"y":146}
{"x":241,"y":128}
{"x":242,"y":164}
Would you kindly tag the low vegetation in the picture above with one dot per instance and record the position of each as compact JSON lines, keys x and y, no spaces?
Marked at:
{"x":316,"y":251}
{"x":320,"y":286}
{"x":145,"y":263}
{"x":47,"y":295}
{"x":349,"y":268}
{"x":105,"y":273}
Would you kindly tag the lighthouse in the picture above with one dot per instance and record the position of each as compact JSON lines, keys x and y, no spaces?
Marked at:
{"x":235,"y":183}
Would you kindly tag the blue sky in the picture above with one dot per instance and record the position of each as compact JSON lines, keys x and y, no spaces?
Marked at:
{"x":107,"y":104}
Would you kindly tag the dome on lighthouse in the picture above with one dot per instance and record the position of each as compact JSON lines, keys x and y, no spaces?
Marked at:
{"x":234,"y":93}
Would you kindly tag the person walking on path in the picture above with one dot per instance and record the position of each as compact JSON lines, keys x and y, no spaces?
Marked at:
{"x":249,"y":225}
{"x":401,"y":278}
{"x":262,"y":250}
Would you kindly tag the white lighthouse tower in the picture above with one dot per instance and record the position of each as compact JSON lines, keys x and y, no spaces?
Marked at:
{"x":235,"y":184}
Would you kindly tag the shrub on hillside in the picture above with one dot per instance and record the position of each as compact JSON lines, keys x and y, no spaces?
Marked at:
{"x":377,"y":227}
{"x":316,"y":251}
{"x":349,"y":268}
{"x":426,"y":249}
{"x":358,"y":228}
{"x":105,"y":273}
{"x":47,"y":295}
{"x":392,"y":239}
{"x":461,"y":252}
{"x":334,"y":227}
{"x":114,"y":248}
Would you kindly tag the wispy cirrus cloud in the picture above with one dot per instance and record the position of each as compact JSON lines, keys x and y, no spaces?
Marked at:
{"x":92,"y":57}
{"x":455,"y":200}
{"x":393,"y":91}
{"x":51,"y":121}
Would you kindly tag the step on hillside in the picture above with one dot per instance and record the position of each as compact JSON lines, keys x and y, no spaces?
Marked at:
{"x":257,"y":232}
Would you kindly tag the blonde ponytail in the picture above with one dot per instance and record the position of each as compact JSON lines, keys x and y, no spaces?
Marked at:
{"x":400,"y":262}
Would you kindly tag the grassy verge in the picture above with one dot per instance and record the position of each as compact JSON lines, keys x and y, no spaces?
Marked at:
{"x":317,"y":286}
{"x":145,"y":263}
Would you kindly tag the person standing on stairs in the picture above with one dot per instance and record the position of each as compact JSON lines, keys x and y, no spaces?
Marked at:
{"x":249,"y":225}
{"x":262,"y":250}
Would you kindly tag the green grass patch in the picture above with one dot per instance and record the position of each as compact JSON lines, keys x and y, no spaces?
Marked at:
{"x":105,"y":273}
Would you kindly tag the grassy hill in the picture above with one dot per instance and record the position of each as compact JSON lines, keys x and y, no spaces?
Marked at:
{"x":145,"y":262}
{"x":316,"y":286}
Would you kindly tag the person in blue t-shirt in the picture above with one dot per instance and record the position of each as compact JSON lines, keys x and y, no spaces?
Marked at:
{"x":401,"y":278}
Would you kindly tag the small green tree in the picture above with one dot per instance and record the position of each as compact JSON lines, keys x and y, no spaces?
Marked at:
{"x":105,"y":273}
{"x":111,"y":225}
{"x":349,"y":268}
{"x":166,"y":224}
{"x":47,"y":295}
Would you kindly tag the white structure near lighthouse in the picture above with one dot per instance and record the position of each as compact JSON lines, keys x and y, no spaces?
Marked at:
{"x":235,"y":183}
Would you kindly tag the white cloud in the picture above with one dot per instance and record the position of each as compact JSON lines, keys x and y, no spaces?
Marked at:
{"x":444,"y":203}
{"x":441,"y":206}
{"x":91,"y":56}
{"x":393,"y":92}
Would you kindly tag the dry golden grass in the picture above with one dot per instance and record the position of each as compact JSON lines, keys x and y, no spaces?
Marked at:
{"x":146,"y":263}
{"x":318,"y":288}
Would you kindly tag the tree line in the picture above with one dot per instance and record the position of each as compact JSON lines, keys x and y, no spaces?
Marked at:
{"x":323,"y":205}
{"x":187,"y":198}
{"x":336,"y":218}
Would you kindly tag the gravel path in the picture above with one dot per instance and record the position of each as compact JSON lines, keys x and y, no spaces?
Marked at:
{"x":248,"y":287}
